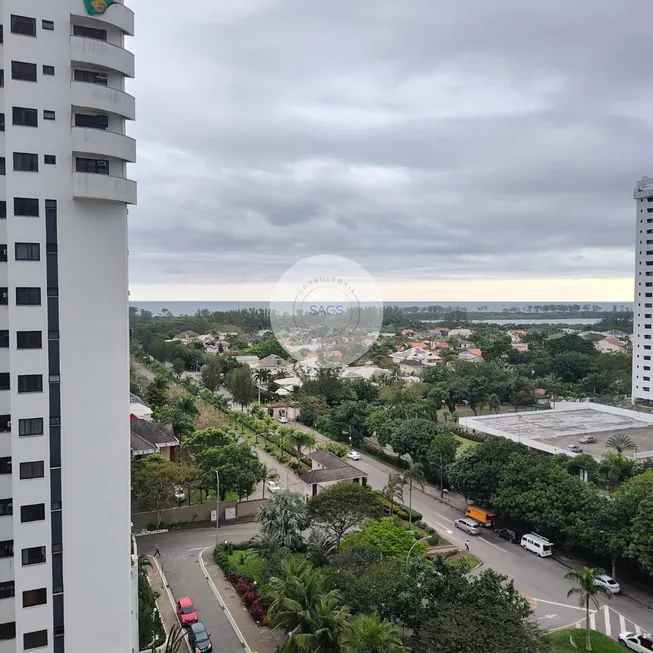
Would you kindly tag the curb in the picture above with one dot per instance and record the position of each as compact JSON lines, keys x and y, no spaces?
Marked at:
{"x":223,"y":605}
{"x":141,"y":533}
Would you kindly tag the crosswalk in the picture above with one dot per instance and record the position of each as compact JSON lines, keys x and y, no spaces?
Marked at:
{"x":608,"y":621}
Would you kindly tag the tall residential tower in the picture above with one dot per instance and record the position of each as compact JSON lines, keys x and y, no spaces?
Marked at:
{"x":64,"y":360}
{"x":643,"y":314}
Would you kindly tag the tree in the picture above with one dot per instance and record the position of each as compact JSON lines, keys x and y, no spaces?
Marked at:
{"x":385,"y":535}
{"x":572,"y":366}
{"x":476,"y":392}
{"x":186,"y":405}
{"x":154,"y":485}
{"x":621,"y":442}
{"x":393,"y":490}
{"x":211,"y":373}
{"x":202,"y":439}
{"x":369,"y":634}
{"x":239,"y":383}
{"x":176,"y":637}
{"x":494,"y":403}
{"x":343,"y":506}
{"x":300,"y":440}
{"x":180,"y":421}
{"x":413,"y":437}
{"x":413,"y":475}
{"x":155,"y":393}
{"x":588,"y":591}
{"x":178,"y":366}
{"x":262,"y":376}
{"x":614,"y":469}
{"x":321,"y":548}
{"x":441,"y":454}
{"x":286,"y":514}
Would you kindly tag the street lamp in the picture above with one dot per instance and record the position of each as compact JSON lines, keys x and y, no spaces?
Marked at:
{"x":217,"y":511}
{"x":414,"y":545}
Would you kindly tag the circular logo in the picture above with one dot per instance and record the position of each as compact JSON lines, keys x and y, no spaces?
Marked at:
{"x":326,"y":311}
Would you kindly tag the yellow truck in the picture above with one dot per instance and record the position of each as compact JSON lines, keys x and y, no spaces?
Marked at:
{"x":485,"y":517}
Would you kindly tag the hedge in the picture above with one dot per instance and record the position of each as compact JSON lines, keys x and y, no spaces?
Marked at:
{"x":400,"y":509}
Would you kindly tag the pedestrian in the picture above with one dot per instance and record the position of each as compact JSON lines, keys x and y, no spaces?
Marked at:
{"x":466,"y":546}
{"x":157,"y":553}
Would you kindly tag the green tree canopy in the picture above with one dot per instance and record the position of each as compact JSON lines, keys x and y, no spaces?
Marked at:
{"x":385,"y":535}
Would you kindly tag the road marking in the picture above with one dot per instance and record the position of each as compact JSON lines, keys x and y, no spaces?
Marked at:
{"x":531,"y":600}
{"x":622,"y":623}
{"x":199,"y":548}
{"x":606,"y":614}
{"x":447,"y":530}
{"x":561,"y":605}
{"x":638,"y":630}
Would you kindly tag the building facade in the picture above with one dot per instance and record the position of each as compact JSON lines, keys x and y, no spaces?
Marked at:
{"x":643,"y":314}
{"x":64,"y":362}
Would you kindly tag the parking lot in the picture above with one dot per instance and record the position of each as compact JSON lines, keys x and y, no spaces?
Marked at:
{"x":642,"y":437}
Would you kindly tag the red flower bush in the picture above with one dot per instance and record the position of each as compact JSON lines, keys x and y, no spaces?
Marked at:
{"x":243,"y":587}
{"x":249,"y":598}
{"x":258,"y":612}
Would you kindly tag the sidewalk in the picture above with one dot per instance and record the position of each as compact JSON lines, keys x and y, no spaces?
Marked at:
{"x":259,"y":639}
{"x":163,"y":603}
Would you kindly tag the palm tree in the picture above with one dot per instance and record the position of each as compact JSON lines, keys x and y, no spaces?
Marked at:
{"x":621,"y":442}
{"x":588,"y":591}
{"x":186,"y":405}
{"x":175,"y":638}
{"x":144,"y":563}
{"x":287,"y":514}
{"x":393,"y":490}
{"x":300,"y":440}
{"x":368,"y":634}
{"x":321,"y":548}
{"x":266,"y":545}
{"x":326,"y":623}
{"x":413,"y":474}
{"x":269,"y":475}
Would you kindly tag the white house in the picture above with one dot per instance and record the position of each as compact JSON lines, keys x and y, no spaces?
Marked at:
{"x":610,"y":346}
{"x":472,"y":355}
{"x":138,"y":409}
{"x":461,"y":333}
{"x":412,"y":367}
{"x":327,"y":470}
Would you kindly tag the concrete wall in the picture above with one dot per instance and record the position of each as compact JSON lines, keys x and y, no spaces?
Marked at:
{"x":198,"y":512}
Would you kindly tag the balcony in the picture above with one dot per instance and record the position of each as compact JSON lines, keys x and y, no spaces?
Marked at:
{"x":110,"y":100}
{"x":90,"y":186}
{"x":86,"y":140}
{"x":101,"y":53}
{"x":117,"y":15}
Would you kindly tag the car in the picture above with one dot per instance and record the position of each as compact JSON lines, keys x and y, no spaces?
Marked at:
{"x":199,"y":639}
{"x":186,"y":611}
{"x":180,"y":495}
{"x":587,"y":439}
{"x":273,"y":486}
{"x":470,"y":526}
{"x":575,"y":448}
{"x":642,"y":643}
{"x":508,"y":534}
{"x":353,"y":455}
{"x":608,"y":582}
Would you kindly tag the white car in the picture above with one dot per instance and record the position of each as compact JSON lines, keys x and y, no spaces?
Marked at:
{"x":180,"y":495}
{"x":273,"y":486}
{"x":353,"y":455}
{"x":609,"y":583}
{"x":641,"y":643}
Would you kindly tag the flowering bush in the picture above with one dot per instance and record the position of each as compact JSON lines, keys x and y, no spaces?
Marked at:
{"x":243,"y":587}
{"x":249,"y":598}
{"x":258,"y":612}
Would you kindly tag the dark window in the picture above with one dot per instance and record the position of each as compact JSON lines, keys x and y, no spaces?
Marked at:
{"x":4,"y":381}
{"x":96,"y":166}
{"x":23,"y":71}
{"x":30,"y":383}
{"x":3,"y":252}
{"x":55,"y":488}
{"x":28,"y":206}
{"x":6,"y":507}
{"x":4,"y":296}
{"x":97,"y":121}
{"x":48,"y":70}
{"x":29,"y":340}
{"x":53,"y":291}
{"x":4,"y":339}
{"x":57,"y":562}
{"x":47,"y":24}
{"x":53,"y":335}
{"x":23,"y":25}
{"x":35,"y":597}
{"x":5,"y":465}
{"x":48,"y":114}
{"x":32,"y":469}
{"x":7,"y":549}
{"x":7,"y":590}
{"x":32,"y":512}
{"x":8,"y":630}
{"x":35,"y":555}
{"x":26,"y":162}
{"x":2,"y":122}
{"x":90,"y":32}
{"x":35,"y":639}
{"x":49,"y":159}
{"x":91,"y":77}
{"x":30,"y":426}
{"x":5,"y":423}
{"x":28,"y":296}
{"x":3,"y":165}
{"x":28,"y":251}
{"x":3,"y":210}
{"x":2,"y":33}
{"x":2,"y":77}
{"x":24,"y":117}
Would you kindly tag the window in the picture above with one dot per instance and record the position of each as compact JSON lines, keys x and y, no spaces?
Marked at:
{"x":25,"y":117}
{"x":35,"y":597}
{"x":30,"y":426}
{"x":48,"y":70}
{"x":2,"y":122}
{"x":32,"y":512}
{"x":95,"y":166}
{"x":90,"y":32}
{"x":28,"y":296}
{"x":91,"y":77}
{"x":4,"y":296}
{"x":26,"y":162}
{"x":7,"y":549}
{"x":3,"y":166}
{"x":29,"y":340}
{"x":30,"y":383}
{"x":4,"y":339}
{"x":6,"y":507}
{"x":23,"y":25}
{"x":32,"y":469}
{"x":3,"y":210}
{"x":28,"y":252}
{"x":4,"y":381}
{"x":23,"y":70}
{"x":8,"y":630}
{"x":35,"y":639}
{"x":49,"y":159}
{"x":48,"y":114}
{"x":35,"y":555}
{"x":3,"y":252}
{"x":7,"y":590}
{"x":47,"y":24}
{"x":27,"y":206}
{"x":97,"y":121}
{"x":2,"y":33}
{"x":5,"y":465}
{"x":53,"y":291}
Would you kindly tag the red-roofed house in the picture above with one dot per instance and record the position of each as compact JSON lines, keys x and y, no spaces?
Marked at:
{"x":473,"y":355}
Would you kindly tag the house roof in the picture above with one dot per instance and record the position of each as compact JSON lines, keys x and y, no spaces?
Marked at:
{"x":345,"y":473}
{"x":614,"y":341}
{"x":412,"y":363}
{"x":155,"y":434}
{"x":140,"y":446}
{"x":271,"y":361}
{"x":476,"y":352}
{"x":135,"y":399}
{"x":327,"y":459}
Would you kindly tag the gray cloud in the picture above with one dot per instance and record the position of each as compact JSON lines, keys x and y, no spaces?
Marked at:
{"x":422,"y":139}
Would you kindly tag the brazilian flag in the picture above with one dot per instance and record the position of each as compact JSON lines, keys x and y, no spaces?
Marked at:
{"x":95,"y":7}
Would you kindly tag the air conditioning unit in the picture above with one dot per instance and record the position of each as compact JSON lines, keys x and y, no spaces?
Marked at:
{"x":102,"y":164}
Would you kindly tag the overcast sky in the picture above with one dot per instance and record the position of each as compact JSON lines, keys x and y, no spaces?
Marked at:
{"x":456,"y":150}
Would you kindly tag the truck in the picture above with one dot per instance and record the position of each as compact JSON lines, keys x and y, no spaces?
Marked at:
{"x":485,"y":517}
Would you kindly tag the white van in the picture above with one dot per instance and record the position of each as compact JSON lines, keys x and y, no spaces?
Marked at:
{"x":537,"y":544}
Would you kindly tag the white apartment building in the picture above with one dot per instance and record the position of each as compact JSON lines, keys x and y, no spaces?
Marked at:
{"x":643,"y":315}
{"x":65,"y":573}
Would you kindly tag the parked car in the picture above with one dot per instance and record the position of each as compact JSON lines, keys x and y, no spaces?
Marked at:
{"x":199,"y":639}
{"x":508,"y":534}
{"x":180,"y":495}
{"x":537,"y":544}
{"x":470,"y":526}
{"x":575,"y":448}
{"x":587,"y":439}
{"x":642,"y":643}
{"x":273,"y":487}
{"x":608,"y":582}
{"x":353,"y":455}
{"x":186,"y":611}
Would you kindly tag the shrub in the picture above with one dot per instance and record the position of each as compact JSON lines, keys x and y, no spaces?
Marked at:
{"x":243,"y":587}
{"x":249,"y":598}
{"x":400,"y":510}
{"x":258,"y":612}
{"x":221,"y":558}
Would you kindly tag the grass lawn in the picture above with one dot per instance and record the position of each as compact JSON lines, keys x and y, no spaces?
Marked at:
{"x":464,"y":445}
{"x":600,"y":643}
{"x":250,"y":563}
